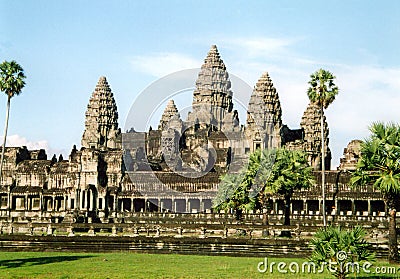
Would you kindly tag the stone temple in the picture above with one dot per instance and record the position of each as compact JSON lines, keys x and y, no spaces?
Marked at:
{"x":175,"y":167}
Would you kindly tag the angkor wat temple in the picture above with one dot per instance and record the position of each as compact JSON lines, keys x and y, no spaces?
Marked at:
{"x":177,"y":166}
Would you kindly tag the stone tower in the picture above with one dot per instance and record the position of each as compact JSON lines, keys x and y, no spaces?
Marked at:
{"x":311,"y":125}
{"x":101,"y":124}
{"x":351,"y":155}
{"x":264,"y":114}
{"x":213,"y":88}
{"x":169,"y":112}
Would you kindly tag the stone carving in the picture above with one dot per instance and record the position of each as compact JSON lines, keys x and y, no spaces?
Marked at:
{"x":264,"y":113}
{"x":101,"y":124}
{"x":169,"y":112}
{"x":213,"y":88}
{"x":351,"y":154}
{"x":311,"y":125}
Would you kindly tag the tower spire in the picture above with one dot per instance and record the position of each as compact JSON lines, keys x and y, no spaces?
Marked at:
{"x":213,"y":87}
{"x":101,"y":124}
{"x":264,"y":115}
{"x":169,"y":112}
{"x":311,"y":125}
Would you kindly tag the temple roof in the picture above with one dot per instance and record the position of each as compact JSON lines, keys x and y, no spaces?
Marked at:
{"x":60,"y":167}
{"x":34,"y":166}
{"x":26,"y":189}
{"x":264,"y":104}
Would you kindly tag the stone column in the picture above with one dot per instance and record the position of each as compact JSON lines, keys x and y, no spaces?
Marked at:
{"x":78,"y":199}
{"x":320,"y":205}
{"x":305,"y":207}
{"x":173,"y":205}
{"x":53,"y":203}
{"x":275,"y":206}
{"x":160,"y":205}
{"x":9,"y":204}
{"x":369,"y":207}
{"x":187,"y":205}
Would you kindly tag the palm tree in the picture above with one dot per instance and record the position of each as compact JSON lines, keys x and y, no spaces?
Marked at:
{"x":231,"y":194}
{"x":322,"y":92}
{"x":239,"y":191}
{"x":11,"y":83}
{"x":291,"y":171}
{"x":379,"y":164}
{"x":270,"y":171}
{"x":341,"y":251}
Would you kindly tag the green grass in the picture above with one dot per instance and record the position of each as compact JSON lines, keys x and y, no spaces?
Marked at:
{"x":130,"y":265}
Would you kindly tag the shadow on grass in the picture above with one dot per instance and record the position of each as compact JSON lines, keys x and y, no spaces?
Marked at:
{"x":38,"y":261}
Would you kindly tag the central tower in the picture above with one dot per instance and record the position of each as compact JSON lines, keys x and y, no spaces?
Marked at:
{"x":213,"y":88}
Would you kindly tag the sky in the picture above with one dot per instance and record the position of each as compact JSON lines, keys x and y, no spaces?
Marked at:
{"x":65,"y":46}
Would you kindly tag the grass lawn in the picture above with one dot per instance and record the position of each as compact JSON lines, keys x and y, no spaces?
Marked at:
{"x":130,"y":265}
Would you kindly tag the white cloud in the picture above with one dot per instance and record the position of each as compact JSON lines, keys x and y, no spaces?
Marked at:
{"x":161,"y":64}
{"x":367,"y":94}
{"x":19,"y":141}
{"x":259,"y":46}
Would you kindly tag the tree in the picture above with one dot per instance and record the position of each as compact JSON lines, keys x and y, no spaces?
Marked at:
{"x":240,"y":191}
{"x":340,"y":251}
{"x":11,"y":83}
{"x":379,"y":165}
{"x":232,"y":194}
{"x":322,"y":91}
{"x":270,"y":171}
{"x":290,"y":172}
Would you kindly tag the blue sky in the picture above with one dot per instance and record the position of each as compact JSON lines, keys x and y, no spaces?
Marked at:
{"x":65,"y":46}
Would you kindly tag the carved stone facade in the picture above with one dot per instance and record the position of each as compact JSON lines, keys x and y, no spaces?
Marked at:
{"x":351,"y":154}
{"x":311,"y":125}
{"x":264,"y":123}
{"x":106,"y":179}
{"x":212,"y":98}
{"x":101,"y":125}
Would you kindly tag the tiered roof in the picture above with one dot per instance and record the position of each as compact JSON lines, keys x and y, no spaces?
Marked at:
{"x":101,"y":124}
{"x":264,"y":105}
{"x":213,"y":87}
{"x":169,"y":112}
